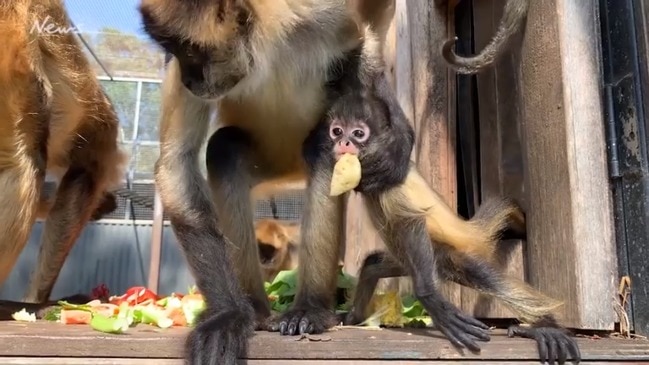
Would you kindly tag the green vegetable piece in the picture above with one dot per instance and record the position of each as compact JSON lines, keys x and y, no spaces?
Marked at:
{"x":192,"y":290}
{"x":191,"y":309}
{"x":155,"y":317}
{"x":412,"y":307}
{"x":125,"y":312}
{"x":81,"y":307}
{"x":162,"y":302}
{"x":52,"y":314}
{"x":137,"y":315}
{"x":105,"y":324}
{"x":345,"y":281}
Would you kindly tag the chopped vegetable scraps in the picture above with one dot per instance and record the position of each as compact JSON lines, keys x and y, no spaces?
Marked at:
{"x":139,"y":305}
{"x":117,"y":313}
{"x":24,"y":316}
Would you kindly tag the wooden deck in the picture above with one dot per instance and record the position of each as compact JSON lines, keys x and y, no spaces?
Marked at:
{"x":51,"y":343}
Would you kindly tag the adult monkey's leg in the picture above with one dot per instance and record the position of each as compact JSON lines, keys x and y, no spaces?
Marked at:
{"x":322,"y":223}
{"x":229,"y":162}
{"x":223,"y":329}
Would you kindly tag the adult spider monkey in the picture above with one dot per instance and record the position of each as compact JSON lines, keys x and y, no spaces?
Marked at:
{"x":54,"y":118}
{"x":262,"y":65}
{"x":366,"y":120}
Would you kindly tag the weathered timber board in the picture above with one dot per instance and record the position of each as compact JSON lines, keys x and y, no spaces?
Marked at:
{"x":43,"y":339}
{"x":123,"y":361}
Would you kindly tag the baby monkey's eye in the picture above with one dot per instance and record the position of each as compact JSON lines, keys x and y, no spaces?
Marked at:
{"x":358,"y":133}
{"x":337,"y":131}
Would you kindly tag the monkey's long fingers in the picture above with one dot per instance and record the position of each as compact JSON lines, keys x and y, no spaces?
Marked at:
{"x":471,"y":320}
{"x":542,"y":347}
{"x":466,"y":340}
{"x":450,"y":335}
{"x":567,"y":346}
{"x":293,"y":324}
{"x":574,"y":349}
{"x":552,"y":349}
{"x":563,"y":351}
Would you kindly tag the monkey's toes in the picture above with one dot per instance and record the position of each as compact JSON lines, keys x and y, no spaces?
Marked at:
{"x":554,"y":344}
{"x":462,"y":330}
{"x":304,"y":321}
{"x":220,"y":337}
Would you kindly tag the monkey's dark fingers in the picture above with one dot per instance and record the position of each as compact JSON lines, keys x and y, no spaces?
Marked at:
{"x":457,"y":332}
{"x":552,"y":349}
{"x":293,"y":325}
{"x":298,"y":322}
{"x":553,"y":343}
{"x":220,"y":337}
{"x":450,"y":320}
{"x":567,"y":346}
{"x":451,"y":336}
{"x":563,"y":351}
{"x":574,"y":349}
{"x":471,"y":320}
{"x":478,"y":332}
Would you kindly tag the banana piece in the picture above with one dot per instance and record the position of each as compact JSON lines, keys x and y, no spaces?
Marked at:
{"x":346,"y":175}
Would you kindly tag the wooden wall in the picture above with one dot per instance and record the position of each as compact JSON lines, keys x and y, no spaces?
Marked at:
{"x":541,"y":141}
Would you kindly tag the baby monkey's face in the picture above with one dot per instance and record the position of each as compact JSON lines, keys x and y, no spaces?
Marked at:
{"x":349,"y":136}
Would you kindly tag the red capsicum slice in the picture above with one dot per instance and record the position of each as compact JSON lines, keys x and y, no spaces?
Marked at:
{"x":138,"y":295}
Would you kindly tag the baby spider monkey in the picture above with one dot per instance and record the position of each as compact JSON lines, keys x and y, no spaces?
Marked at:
{"x":425,"y":238}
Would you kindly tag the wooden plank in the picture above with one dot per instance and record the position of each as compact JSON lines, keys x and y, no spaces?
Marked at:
{"x":501,"y":163}
{"x":43,"y":339}
{"x":123,"y":361}
{"x":434,"y":105}
{"x":570,"y":231}
{"x":403,"y":84}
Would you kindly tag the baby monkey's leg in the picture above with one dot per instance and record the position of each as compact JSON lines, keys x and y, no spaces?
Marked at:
{"x":408,"y":240}
{"x":554,"y":342}
{"x":377,"y":265}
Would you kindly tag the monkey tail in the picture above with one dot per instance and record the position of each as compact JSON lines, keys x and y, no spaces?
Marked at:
{"x":531,"y":305}
{"x":514,"y":15}
{"x":476,"y":237}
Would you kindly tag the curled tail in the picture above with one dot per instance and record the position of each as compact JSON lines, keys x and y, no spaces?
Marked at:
{"x":476,"y":236}
{"x":514,"y":15}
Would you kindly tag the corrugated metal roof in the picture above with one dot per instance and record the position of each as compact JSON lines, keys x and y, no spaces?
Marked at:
{"x":114,"y":254}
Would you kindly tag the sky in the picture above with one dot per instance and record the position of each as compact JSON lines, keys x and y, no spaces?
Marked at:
{"x":92,"y":15}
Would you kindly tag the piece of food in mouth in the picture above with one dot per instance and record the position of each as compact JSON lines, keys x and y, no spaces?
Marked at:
{"x":346,"y":175}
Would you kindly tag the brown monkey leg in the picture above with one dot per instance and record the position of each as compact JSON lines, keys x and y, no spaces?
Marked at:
{"x":221,"y":334}
{"x":319,"y":250}
{"x":20,"y":187}
{"x":76,"y":200}
{"x":228,"y":159}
